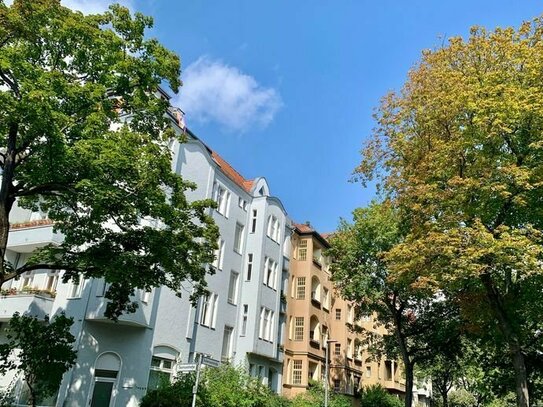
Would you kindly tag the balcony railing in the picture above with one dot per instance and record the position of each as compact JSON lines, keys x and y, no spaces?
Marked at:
{"x":38,"y":303}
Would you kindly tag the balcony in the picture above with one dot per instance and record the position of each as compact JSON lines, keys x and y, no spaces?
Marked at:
{"x":37,"y":305}
{"x":394,"y":386}
{"x":97,"y":307}
{"x":29,"y":236}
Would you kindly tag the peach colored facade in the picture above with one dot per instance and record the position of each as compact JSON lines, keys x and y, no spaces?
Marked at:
{"x":316,"y":314}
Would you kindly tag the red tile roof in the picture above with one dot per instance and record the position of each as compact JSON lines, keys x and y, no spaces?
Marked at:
{"x":231,"y":173}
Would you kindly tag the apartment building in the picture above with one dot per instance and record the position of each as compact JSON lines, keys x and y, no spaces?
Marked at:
{"x":241,"y":320}
{"x":318,"y":317}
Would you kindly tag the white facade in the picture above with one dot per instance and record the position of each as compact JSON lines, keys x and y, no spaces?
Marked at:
{"x":242,"y":319}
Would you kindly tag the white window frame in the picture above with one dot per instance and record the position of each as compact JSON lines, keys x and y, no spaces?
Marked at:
{"x":76,"y":288}
{"x":249,"y":271}
{"x":208,"y":310}
{"x":222,"y":197}
{"x":238,"y":238}
{"x":233,"y":285}
{"x":219,"y":254}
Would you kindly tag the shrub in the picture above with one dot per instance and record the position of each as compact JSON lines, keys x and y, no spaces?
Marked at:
{"x":377,"y":396}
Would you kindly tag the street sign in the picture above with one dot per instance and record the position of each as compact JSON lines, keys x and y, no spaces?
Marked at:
{"x":210,"y":362}
{"x":187,"y":367}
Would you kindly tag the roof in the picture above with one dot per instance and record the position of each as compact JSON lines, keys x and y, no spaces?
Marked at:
{"x":305,"y":229}
{"x":231,"y":173}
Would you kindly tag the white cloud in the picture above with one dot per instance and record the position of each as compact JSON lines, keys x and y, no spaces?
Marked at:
{"x":214,"y":91}
{"x":94,"y":6}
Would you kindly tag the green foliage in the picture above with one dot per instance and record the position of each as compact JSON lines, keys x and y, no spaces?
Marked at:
{"x":377,"y":396}
{"x":461,"y":398}
{"x":85,"y":139}
{"x":43,"y":351}
{"x":460,"y":150}
{"x":314,"y":397}
{"x":419,"y":322}
{"x":176,"y":394}
{"x":225,"y":386}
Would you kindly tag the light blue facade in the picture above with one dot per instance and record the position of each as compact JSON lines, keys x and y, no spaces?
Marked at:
{"x":167,"y":330}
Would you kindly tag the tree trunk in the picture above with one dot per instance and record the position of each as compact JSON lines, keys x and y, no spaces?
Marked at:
{"x":515,"y":349}
{"x":6,"y":199}
{"x":408,"y":364}
{"x":445,"y":398}
{"x":409,"y":379}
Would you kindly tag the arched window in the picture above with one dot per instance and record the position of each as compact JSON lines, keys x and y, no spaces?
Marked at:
{"x":162,"y":366}
{"x":106,"y":373}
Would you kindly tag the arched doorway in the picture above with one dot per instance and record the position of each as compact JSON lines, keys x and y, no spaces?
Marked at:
{"x":106,"y":373}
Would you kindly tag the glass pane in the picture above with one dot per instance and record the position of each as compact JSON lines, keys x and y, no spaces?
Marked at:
{"x":167,"y":364}
{"x":155,"y":362}
{"x":157,"y":379}
{"x":101,"y":394}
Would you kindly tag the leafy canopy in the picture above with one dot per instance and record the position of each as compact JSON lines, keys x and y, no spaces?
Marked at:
{"x":42,"y":350}
{"x":85,"y":138}
{"x":460,"y":150}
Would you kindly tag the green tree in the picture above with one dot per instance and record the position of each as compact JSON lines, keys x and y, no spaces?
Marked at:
{"x":461,"y":149}
{"x":377,"y":396}
{"x":42,"y":350}
{"x":84,"y":138}
{"x":225,"y":386}
{"x":314,"y":397}
{"x":418,"y":321}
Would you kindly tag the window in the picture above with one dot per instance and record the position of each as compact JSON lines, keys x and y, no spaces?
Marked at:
{"x":145,"y":296}
{"x":368,"y":371}
{"x":326,"y":298}
{"x":299,"y":328}
{"x":244,"y":318}
{"x":350,"y":314}
{"x":270,"y":273}
{"x":300,"y":288}
{"x":296,"y":372}
{"x":76,"y":287}
{"x":226,"y":352}
{"x":349,"y":348}
{"x":266,"y":324}
{"x":222,"y":197}
{"x":249,"y":266}
{"x":253,"y":220}
{"x":28,"y":279}
{"x":338,"y":313}
{"x":233,"y":288}
{"x":337,"y":385}
{"x":208,"y":313}
{"x":242,"y":203}
{"x":273,"y":228}
{"x":337,"y":349}
{"x":238,"y":238}
{"x":302,"y":250}
{"x":160,"y":373}
{"x":219,"y":255}
{"x":101,"y":288}
{"x":324,"y":335}
{"x":52,"y":281}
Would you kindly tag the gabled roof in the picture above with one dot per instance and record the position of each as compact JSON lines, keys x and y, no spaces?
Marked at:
{"x":231,"y":173}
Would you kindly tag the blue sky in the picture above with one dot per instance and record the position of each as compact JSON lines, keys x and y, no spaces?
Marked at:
{"x":286,"y":89}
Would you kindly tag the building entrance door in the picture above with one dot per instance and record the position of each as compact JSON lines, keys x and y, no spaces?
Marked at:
{"x":101,"y":394}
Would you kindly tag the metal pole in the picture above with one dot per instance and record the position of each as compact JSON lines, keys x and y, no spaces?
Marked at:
{"x":195,"y":387}
{"x":326,"y":380}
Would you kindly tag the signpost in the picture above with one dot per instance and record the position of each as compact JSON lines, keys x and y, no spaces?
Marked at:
{"x":202,"y":359}
{"x":187,"y":367}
